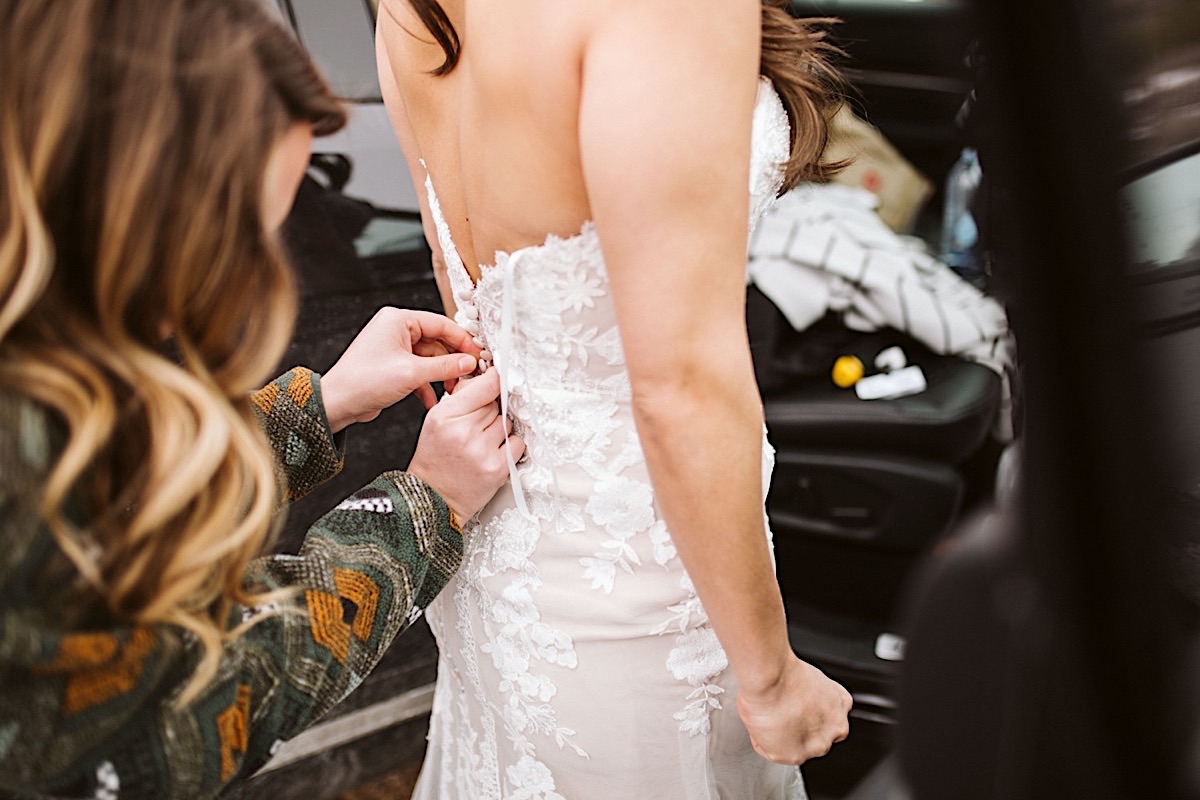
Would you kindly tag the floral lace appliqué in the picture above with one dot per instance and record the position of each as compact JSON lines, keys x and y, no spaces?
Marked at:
{"x":624,"y":508}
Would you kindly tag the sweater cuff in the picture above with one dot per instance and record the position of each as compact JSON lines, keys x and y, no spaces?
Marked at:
{"x":292,"y":413}
{"x":338,"y":440}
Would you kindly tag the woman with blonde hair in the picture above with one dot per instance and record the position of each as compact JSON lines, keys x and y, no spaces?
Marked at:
{"x":590,"y":172}
{"x":148,"y":151}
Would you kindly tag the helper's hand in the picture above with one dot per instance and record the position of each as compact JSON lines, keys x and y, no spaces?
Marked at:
{"x":801,"y":717}
{"x":461,"y":451}
{"x":399,"y":352}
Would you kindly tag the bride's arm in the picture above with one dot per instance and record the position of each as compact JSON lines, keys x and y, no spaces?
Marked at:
{"x":387,"y":28}
{"x":668,"y":94}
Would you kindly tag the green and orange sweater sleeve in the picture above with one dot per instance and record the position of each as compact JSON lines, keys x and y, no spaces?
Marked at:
{"x":292,"y":413}
{"x":88,"y":712}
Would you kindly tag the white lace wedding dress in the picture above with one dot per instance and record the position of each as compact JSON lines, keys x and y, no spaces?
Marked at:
{"x":576,"y":660}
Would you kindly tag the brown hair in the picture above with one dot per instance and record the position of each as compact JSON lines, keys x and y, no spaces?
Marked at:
{"x":134,"y":136}
{"x":796,"y":56}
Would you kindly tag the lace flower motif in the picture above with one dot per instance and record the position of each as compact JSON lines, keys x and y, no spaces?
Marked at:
{"x":697,"y":656}
{"x":530,"y":779}
{"x":624,"y":508}
{"x":664,"y":548}
{"x":578,"y":291}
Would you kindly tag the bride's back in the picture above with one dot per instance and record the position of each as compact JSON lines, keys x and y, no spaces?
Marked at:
{"x":498,"y":134}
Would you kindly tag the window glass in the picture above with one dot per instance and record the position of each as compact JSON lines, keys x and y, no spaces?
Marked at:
{"x":1163,"y":209}
{"x":340,"y":35}
{"x":1154,"y":48}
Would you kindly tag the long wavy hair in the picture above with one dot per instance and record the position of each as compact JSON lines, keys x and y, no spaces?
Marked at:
{"x":141,"y":299}
{"x":799,"y":59}
{"x":796,"y":55}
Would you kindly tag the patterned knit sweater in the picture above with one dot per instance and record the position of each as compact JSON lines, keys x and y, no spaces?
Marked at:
{"x":86,"y":712}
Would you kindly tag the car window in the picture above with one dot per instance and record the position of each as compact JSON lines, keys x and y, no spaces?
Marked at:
{"x":1164,"y":211}
{"x":340,"y":36}
{"x":1155,"y":55}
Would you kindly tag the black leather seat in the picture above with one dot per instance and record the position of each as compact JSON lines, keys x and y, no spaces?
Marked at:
{"x":862,"y":489}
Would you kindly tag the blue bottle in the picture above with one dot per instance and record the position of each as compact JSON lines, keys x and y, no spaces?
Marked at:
{"x":960,"y":234}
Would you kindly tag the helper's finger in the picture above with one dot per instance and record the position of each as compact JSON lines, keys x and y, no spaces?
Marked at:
{"x":437,"y":369}
{"x":426,"y":395}
{"x":497,"y":429}
{"x":479,"y":392}
{"x":517,"y":445}
{"x":431,"y":347}
{"x":435,"y":327}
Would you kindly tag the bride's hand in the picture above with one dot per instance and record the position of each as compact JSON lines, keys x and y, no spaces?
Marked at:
{"x":800,"y":717}
{"x":461,"y":451}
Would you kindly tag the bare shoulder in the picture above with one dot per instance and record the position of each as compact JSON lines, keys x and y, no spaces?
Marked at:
{"x":674,"y":28}
{"x":665,"y":59}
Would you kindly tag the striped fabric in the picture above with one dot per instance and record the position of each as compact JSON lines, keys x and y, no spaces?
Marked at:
{"x":823,"y":248}
{"x":85,"y":708}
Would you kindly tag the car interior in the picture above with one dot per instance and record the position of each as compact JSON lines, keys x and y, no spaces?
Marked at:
{"x":1013,"y":619}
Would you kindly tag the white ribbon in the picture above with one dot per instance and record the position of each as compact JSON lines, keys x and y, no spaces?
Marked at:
{"x":500,"y":360}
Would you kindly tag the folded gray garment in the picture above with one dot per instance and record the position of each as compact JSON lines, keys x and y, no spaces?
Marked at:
{"x":823,"y":248}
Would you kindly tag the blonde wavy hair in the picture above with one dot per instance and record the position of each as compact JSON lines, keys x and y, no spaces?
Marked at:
{"x":141,"y":300}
